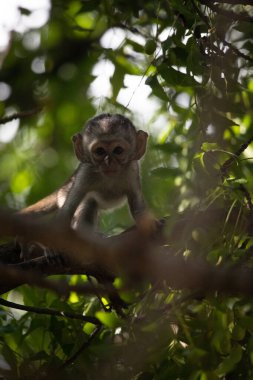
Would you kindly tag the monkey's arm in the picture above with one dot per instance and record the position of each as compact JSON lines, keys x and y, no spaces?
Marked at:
{"x":50,"y":203}
{"x":42,"y":207}
{"x":135,"y":197}
{"x":145,"y":221}
{"x":75,"y":195}
{"x":136,"y":203}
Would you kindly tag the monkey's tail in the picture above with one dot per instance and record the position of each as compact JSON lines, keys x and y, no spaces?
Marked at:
{"x":42,"y":207}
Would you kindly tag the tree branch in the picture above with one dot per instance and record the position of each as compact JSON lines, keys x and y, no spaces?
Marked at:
{"x":233,"y":2}
{"x":138,"y":257}
{"x":83,"y":347}
{"x":225,"y":167}
{"x":242,"y":16}
{"x":13,"y":276}
{"x":205,"y":19}
{"x":20,"y":115}
{"x":46,"y":311}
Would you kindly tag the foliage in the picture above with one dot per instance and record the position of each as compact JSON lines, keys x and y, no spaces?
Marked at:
{"x":197,"y":59}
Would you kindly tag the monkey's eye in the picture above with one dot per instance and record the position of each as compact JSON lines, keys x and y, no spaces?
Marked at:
{"x":118,"y":150}
{"x":99,"y":151}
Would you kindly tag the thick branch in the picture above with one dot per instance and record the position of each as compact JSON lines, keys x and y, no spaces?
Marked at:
{"x":134,"y":255}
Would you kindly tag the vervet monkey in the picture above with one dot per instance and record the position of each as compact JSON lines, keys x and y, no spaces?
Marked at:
{"x":108,"y":149}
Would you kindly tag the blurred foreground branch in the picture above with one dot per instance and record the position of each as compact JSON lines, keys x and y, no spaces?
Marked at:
{"x":130,"y":253}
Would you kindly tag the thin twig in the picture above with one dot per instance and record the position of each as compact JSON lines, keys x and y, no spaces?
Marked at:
{"x":247,"y":196}
{"x":20,"y":115}
{"x":46,"y":311}
{"x":236,"y":51}
{"x":85,"y":345}
{"x":98,"y":295}
{"x":226,"y":43}
{"x":224,"y":168}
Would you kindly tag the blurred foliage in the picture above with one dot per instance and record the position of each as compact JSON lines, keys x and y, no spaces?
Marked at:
{"x":197,"y":59}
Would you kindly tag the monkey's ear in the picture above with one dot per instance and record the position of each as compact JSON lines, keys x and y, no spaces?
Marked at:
{"x":77,"y":140}
{"x":141,"y":143}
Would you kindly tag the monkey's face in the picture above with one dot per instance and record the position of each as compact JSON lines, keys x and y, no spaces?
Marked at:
{"x":110,"y":156}
{"x":110,"y":143}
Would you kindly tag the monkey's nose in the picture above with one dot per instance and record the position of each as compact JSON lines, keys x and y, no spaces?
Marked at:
{"x":107,"y":160}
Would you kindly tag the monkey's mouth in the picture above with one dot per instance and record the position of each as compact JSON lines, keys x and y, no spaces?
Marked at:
{"x":110,"y":173}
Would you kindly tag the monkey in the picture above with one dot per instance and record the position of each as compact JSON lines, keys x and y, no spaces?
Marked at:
{"x":108,"y":149}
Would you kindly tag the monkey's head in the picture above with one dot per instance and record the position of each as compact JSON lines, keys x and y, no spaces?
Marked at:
{"x":110,"y":142}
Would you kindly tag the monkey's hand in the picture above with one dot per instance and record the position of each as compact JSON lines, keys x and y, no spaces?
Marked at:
{"x":30,"y":250}
{"x":148,"y":225}
{"x":33,"y":249}
{"x":27,"y":250}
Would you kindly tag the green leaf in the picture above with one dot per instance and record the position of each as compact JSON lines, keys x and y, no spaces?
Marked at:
{"x":167,"y":147}
{"x":166,"y":172}
{"x":157,"y":89}
{"x":117,"y":80}
{"x":89,"y":5}
{"x":239,"y":181}
{"x":206,"y":147}
{"x":230,"y":362}
{"x":176,"y":78}
{"x":150,"y":46}
{"x":10,"y":357}
{"x":199,"y":163}
{"x":135,"y":45}
{"x":121,"y":60}
{"x":24,"y":11}
{"x":108,"y":319}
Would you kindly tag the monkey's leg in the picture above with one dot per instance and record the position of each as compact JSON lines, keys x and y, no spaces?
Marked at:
{"x":84,"y":220}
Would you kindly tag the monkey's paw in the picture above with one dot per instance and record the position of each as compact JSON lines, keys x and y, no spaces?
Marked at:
{"x":29,"y":250}
{"x":148,"y":225}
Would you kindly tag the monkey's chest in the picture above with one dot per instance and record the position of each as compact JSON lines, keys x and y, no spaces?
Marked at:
{"x":107,"y":199}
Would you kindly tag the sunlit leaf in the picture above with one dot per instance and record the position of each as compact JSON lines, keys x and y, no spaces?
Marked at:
{"x":108,"y":319}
